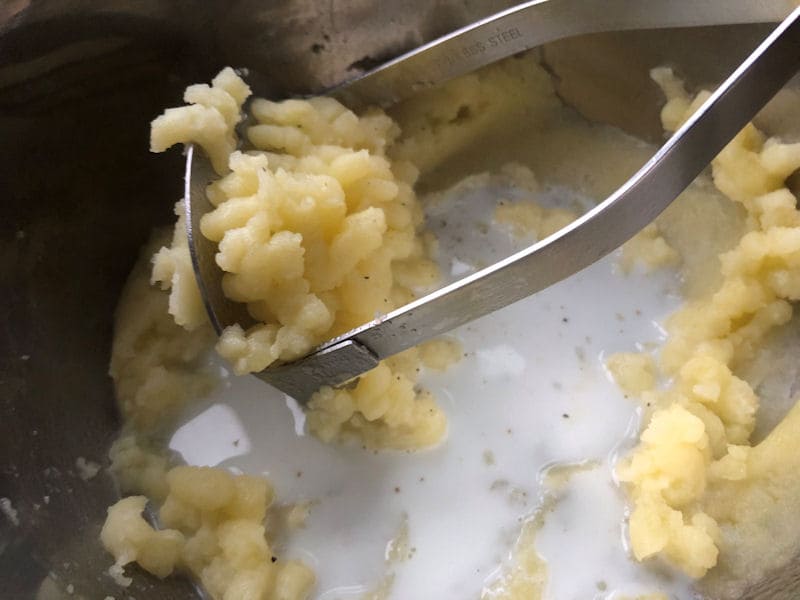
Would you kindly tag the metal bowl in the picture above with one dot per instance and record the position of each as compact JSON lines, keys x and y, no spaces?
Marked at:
{"x":79,"y":83}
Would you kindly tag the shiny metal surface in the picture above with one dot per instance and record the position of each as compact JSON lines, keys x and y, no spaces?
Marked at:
{"x":533,"y":24}
{"x":79,"y":82}
{"x":635,"y":204}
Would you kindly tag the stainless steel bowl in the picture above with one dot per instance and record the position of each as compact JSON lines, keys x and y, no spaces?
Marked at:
{"x":79,"y":83}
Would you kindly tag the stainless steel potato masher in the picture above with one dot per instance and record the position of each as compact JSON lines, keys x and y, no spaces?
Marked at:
{"x":598,"y":232}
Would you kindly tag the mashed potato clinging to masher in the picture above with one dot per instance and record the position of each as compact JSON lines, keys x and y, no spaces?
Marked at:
{"x":318,"y":232}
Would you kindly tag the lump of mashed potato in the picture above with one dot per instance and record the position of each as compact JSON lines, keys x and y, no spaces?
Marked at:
{"x":213,"y":527}
{"x":210,"y":119}
{"x":310,"y":225}
{"x":383,"y":409}
{"x":694,"y":484}
{"x":128,"y":537}
{"x":318,"y":232}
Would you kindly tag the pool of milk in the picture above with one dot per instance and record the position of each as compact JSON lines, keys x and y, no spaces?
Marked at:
{"x":531,"y":392}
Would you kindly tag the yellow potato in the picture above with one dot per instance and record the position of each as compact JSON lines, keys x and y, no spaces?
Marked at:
{"x":695,"y":482}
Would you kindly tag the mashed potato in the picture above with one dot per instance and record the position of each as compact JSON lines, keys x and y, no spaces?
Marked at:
{"x":157,"y":366}
{"x":318,"y":232}
{"x":212,"y":522}
{"x":213,"y":526}
{"x":649,"y":248}
{"x":692,"y":479}
{"x":440,"y":123}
